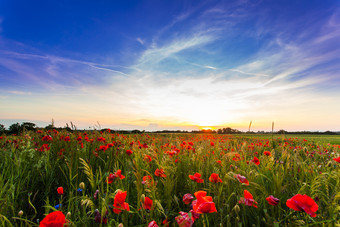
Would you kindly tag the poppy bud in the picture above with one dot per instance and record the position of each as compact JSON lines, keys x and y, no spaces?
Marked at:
{"x":82,"y":185}
{"x":20,"y":213}
{"x":68,"y":215}
{"x":236,"y":208}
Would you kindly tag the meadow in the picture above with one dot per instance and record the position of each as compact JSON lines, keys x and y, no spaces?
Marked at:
{"x":101,"y":178}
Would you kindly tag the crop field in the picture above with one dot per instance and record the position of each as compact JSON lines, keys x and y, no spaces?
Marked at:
{"x":101,"y":178}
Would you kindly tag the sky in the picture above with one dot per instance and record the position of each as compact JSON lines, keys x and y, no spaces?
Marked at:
{"x":179,"y":65}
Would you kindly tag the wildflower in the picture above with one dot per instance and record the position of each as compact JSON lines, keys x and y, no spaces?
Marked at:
{"x":148,"y":158}
{"x":160,"y":173}
{"x":272,"y":200}
{"x":267,"y":153}
{"x":256,"y":161}
{"x":153,"y":224}
{"x":60,"y":190}
{"x":147,"y":180}
{"x":95,"y":196}
{"x":212,"y":144}
{"x":303,"y":203}
{"x":184,"y":220}
{"x":112,"y":176}
{"x":118,"y":173}
{"x":129,"y":152}
{"x":119,"y":202}
{"x":187,"y":198}
{"x":165,"y":222}
{"x":47,"y":138}
{"x":56,"y":218}
{"x":44,"y":147}
{"x":248,"y":199}
{"x":101,"y":139}
{"x":237,"y":157}
{"x":98,"y":217}
{"x":57,"y":206}
{"x":337,"y":159}
{"x":214,"y":178}
{"x":219,"y":162}
{"x":203,"y":203}
{"x":147,"y":204}
{"x":196,"y":177}
{"x":242,"y":179}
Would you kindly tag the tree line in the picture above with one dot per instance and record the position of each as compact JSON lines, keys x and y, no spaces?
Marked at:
{"x":18,"y":128}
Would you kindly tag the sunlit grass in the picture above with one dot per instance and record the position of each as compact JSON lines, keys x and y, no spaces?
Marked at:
{"x":82,"y":162}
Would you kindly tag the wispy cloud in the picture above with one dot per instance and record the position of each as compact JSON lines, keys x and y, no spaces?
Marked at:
{"x":199,"y":75}
{"x":20,"y":92}
{"x":140,"y":41}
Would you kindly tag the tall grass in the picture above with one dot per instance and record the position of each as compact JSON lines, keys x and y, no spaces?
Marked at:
{"x":31,"y":175}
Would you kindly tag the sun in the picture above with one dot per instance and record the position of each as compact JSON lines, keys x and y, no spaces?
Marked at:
{"x":205,"y":120}
{"x":207,"y":128}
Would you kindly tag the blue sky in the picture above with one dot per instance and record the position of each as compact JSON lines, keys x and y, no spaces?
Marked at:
{"x":171,"y":64}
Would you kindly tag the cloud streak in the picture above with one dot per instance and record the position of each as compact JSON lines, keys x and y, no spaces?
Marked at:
{"x":223,"y":66}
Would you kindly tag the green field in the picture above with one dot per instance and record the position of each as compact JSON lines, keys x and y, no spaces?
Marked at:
{"x":99,"y":178}
{"x":322,"y":139}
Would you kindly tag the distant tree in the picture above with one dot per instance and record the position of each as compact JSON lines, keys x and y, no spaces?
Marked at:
{"x":2,"y":129}
{"x":281,"y":132}
{"x":28,"y":126}
{"x":49,"y":127}
{"x":15,"y":128}
{"x":136,"y":131}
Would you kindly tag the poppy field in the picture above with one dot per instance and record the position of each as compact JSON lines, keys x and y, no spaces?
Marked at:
{"x":101,"y":178}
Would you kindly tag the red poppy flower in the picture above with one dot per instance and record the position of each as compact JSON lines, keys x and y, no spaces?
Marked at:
{"x":219,"y":162}
{"x":256,"y":161}
{"x":272,"y":200}
{"x":118,"y":173}
{"x":267,"y":153}
{"x":44,"y":148}
{"x":237,"y":157}
{"x":165,"y":223}
{"x":187,"y":198}
{"x":303,"y":203}
{"x":147,"y":180}
{"x":215,"y":178}
{"x":101,"y":139}
{"x":153,"y":224}
{"x":129,"y":152}
{"x":184,"y":220}
{"x":54,"y":219}
{"x":203,"y":203}
{"x":337,"y":159}
{"x":60,"y":190}
{"x":196,"y":177}
{"x":248,"y":199}
{"x":110,"y":178}
{"x":47,"y":138}
{"x":212,"y":143}
{"x":242,"y":179}
{"x":119,"y":202}
{"x":147,"y":158}
{"x":160,"y":173}
{"x":147,"y":204}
